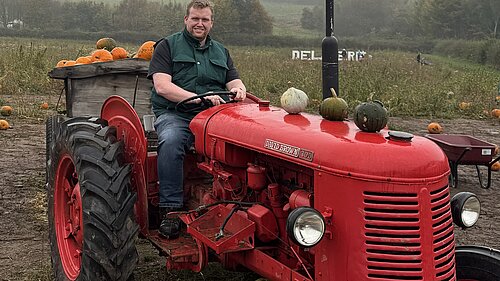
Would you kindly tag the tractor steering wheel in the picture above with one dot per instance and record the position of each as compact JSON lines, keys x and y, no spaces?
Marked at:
{"x":184,"y":107}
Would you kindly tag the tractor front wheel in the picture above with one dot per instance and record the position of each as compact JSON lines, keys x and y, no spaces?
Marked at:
{"x":92,"y":229}
{"x":476,"y":263}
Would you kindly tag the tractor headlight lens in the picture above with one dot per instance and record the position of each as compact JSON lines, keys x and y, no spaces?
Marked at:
{"x":305,"y":226}
{"x":465,"y":209}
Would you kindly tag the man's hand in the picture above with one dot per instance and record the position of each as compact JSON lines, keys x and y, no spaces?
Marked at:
{"x":240,"y":94}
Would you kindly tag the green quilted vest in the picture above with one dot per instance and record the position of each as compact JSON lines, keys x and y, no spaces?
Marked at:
{"x":195,"y":69}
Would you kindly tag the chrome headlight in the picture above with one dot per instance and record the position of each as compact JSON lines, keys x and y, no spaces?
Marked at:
{"x":305,"y":226}
{"x":465,"y":209}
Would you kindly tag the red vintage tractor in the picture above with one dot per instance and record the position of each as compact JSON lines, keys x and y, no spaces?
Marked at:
{"x":290,"y":197}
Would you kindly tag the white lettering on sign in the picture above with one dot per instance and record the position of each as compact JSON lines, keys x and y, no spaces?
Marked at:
{"x":311,"y":55}
{"x":289,"y":150}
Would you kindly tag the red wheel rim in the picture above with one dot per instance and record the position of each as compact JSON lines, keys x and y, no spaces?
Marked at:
{"x":68,"y":217}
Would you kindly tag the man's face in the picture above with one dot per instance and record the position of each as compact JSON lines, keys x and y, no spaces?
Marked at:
{"x":199,"y":22}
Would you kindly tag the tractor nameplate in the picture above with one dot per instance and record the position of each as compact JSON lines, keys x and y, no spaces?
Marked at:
{"x":289,"y":150}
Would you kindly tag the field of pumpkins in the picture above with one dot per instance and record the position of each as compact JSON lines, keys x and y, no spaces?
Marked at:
{"x":107,"y":49}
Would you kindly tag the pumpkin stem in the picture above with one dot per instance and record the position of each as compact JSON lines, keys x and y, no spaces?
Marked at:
{"x":370,"y":98}
{"x":334,"y":94}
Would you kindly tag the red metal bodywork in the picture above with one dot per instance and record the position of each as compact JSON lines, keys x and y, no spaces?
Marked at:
{"x":385,"y":201}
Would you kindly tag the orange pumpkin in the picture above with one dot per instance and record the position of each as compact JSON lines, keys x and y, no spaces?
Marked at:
{"x":101,"y":55}
{"x":496,"y":166}
{"x":119,"y":53}
{"x":83,"y":60}
{"x":70,"y":63}
{"x":434,"y":128}
{"x":4,"y":125}
{"x":105,"y":43}
{"x":145,"y":52}
{"x":6,"y":110}
{"x":495,"y":113}
{"x":44,"y":105}
{"x":61,"y":63}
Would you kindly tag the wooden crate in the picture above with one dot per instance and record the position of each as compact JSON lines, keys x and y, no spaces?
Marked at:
{"x":87,"y":86}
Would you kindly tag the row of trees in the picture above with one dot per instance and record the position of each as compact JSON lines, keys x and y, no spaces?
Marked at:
{"x":466,"y":19}
{"x":153,"y":16}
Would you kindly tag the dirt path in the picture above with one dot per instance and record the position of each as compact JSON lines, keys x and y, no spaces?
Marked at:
{"x":24,"y":251}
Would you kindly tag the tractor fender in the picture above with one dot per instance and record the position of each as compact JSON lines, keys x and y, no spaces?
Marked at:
{"x":118,"y":112}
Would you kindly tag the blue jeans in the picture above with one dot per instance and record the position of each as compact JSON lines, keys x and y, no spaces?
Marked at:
{"x":174,"y":138}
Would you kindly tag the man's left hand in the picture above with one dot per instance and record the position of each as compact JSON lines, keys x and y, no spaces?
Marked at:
{"x":240,"y":94}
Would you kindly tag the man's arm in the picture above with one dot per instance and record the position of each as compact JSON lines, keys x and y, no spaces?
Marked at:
{"x":236,"y":86}
{"x":165,"y":88}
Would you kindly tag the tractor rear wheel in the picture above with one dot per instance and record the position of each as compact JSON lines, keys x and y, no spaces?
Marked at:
{"x":92,"y":229}
{"x":477,"y":264}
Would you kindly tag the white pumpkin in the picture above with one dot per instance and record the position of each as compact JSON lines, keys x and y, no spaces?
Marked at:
{"x":294,"y":100}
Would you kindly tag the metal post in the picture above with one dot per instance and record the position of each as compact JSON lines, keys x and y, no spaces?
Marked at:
{"x":330,"y":54}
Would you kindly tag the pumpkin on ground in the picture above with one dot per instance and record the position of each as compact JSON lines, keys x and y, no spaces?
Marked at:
{"x":333,"y":108}
{"x":464,"y":105}
{"x":496,"y":166}
{"x":101,"y":55}
{"x":6,"y":110}
{"x":294,"y":100}
{"x":119,"y":53}
{"x":434,"y":128}
{"x":4,"y":125}
{"x":495,"y":113}
{"x":61,"y":63}
{"x":44,"y":105}
{"x":145,"y":52}
{"x":370,"y":116}
{"x":106,"y":43}
{"x":83,"y":60}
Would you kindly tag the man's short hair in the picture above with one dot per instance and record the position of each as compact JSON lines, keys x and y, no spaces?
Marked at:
{"x":200,"y":4}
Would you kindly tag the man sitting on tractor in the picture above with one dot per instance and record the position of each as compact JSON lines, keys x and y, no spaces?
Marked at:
{"x":185,"y":64}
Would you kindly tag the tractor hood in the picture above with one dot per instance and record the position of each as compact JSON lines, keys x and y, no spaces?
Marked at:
{"x":309,"y":140}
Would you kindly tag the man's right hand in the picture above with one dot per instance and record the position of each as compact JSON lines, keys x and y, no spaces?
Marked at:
{"x":215,"y":100}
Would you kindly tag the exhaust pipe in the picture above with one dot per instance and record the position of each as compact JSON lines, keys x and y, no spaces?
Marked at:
{"x":330,"y":55}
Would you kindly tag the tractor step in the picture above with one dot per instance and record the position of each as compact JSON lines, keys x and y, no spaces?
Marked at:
{"x":181,"y":249}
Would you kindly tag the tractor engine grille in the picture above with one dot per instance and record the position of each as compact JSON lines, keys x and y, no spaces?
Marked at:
{"x":398,"y":228}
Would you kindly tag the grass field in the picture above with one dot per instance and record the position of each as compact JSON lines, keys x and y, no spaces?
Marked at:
{"x":395,"y":78}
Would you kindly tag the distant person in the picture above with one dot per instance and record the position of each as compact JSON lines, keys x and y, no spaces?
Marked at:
{"x":419,"y":57}
{"x":185,"y":64}
{"x":344,"y":54}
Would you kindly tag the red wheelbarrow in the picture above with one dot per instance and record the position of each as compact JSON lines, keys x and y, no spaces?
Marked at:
{"x":466,"y":150}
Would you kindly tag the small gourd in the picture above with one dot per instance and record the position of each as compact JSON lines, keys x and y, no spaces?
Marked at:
{"x":44,"y":105}
{"x":333,"y":108}
{"x":370,"y":116}
{"x":106,"y":43}
{"x":6,"y":110}
{"x":434,"y":128}
{"x":294,"y":100}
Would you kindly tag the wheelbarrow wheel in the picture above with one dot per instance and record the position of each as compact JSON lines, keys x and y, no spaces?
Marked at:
{"x":475,"y":263}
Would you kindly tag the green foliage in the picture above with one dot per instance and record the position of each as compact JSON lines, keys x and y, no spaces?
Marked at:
{"x":404,"y":86}
{"x":235,"y":16}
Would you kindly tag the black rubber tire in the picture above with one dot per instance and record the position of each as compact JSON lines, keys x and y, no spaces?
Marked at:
{"x":109,"y":228}
{"x":477,"y":263}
